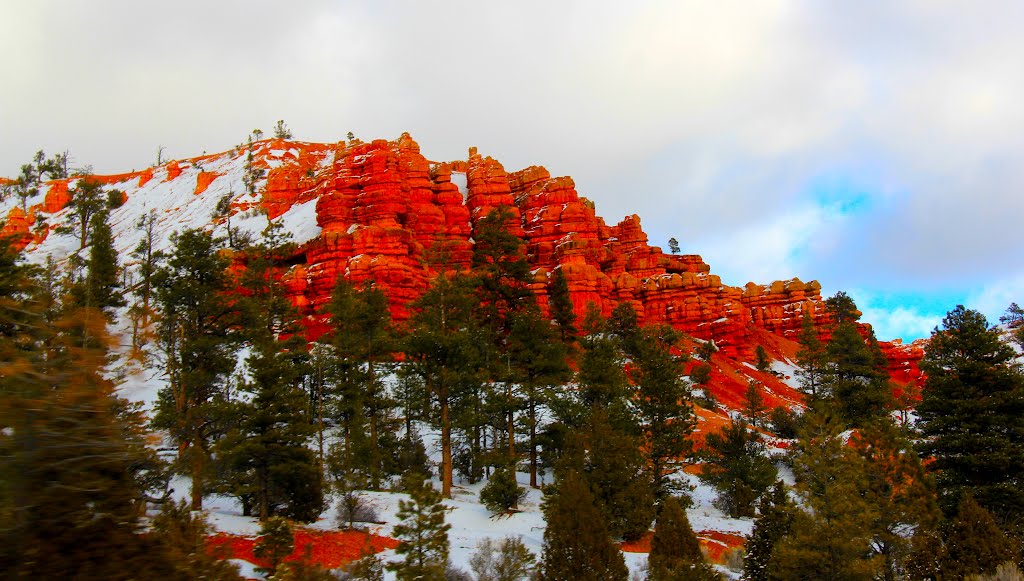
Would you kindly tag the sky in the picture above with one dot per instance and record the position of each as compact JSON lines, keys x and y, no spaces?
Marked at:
{"x":875,"y":146}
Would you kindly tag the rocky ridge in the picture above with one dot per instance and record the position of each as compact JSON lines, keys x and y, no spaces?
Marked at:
{"x":384,"y":212}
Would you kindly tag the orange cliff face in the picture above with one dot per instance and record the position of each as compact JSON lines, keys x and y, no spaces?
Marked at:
{"x":387,"y":214}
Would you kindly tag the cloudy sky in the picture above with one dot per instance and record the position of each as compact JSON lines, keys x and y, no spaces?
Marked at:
{"x":877,"y":146}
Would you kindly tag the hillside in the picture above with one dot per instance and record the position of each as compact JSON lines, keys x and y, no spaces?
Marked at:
{"x":382,"y":211}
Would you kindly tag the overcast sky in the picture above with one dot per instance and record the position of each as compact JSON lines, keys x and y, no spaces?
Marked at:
{"x":877,"y":146}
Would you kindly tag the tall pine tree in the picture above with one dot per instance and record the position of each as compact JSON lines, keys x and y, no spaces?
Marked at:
{"x":675,"y":550}
{"x":195,"y":335}
{"x":971,"y":415}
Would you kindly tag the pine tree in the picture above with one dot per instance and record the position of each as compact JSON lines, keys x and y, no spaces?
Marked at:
{"x":902,"y":495}
{"x":971,"y":415}
{"x":975,"y":543}
{"x":539,"y":363}
{"x":855,"y":381}
{"x":617,"y":476}
{"x":182,"y":534}
{"x":423,"y":533}
{"x":502,"y":494}
{"x":761,"y":359}
{"x":673,"y":245}
{"x":753,"y":404}
{"x":148,"y":258}
{"x":74,"y":469}
{"x":361,"y":341}
{"x":561,"y":307}
{"x":267,"y":447}
{"x":811,"y":358}
{"x":445,"y":348}
{"x":773,"y":522}
{"x":576,"y":541}
{"x":86,"y":200}
{"x":281,"y":130}
{"x":663,"y":405}
{"x":832,"y":531}
{"x":675,"y":551}
{"x":102,"y":284}
{"x":737,"y":467}
{"x":276,"y":542}
{"x":195,"y":336}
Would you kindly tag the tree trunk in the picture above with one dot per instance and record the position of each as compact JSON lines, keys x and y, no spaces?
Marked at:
{"x":533,"y":444}
{"x":446,"y":451}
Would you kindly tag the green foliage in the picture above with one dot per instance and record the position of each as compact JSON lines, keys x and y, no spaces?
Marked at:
{"x":673,"y":245}
{"x":737,"y":468}
{"x":675,"y":551}
{"x":369,"y":567}
{"x":87,"y":198}
{"x":971,"y":415}
{"x":811,"y":358}
{"x":360,"y":343}
{"x":576,"y":541}
{"x":182,"y":534}
{"x":74,"y":468}
{"x":607,"y":459}
{"x":195,"y":336}
{"x":281,"y":130}
{"x":832,"y":530}
{"x":773,"y":523}
{"x":276,"y":541}
{"x":445,"y":350}
{"x":975,"y":543}
{"x":266,"y":447}
{"x":560,"y":304}
{"x":761,"y":359}
{"x":842,"y":308}
{"x":753,"y":404}
{"x":505,"y":560}
{"x":662,"y":404}
{"x":538,"y":362}
{"x":101,"y":288}
{"x":502,"y":494}
{"x":423,"y":533}
{"x":855,"y":381}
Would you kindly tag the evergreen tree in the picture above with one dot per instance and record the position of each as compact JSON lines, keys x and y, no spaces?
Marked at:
{"x":773,"y":522}
{"x":423,"y":533}
{"x":675,"y":551}
{"x":663,"y":405}
{"x":753,"y":404}
{"x":267,"y":448}
{"x":502,"y":494}
{"x":148,"y":258}
{"x":281,"y":130}
{"x":182,"y":534}
{"x":72,"y":458}
{"x":561,"y":307}
{"x":811,"y":358}
{"x":86,"y":200}
{"x":102,"y":284}
{"x":856,"y":382}
{"x":761,"y":359}
{"x":832,"y":530}
{"x":197,"y":317}
{"x":673,"y":245}
{"x":975,"y":543}
{"x":609,"y":462}
{"x":576,"y":541}
{"x":902,"y":495}
{"x":971,"y":415}
{"x":275,"y":543}
{"x":738,"y":468}
{"x":539,"y":363}
{"x":444,"y":350}
{"x":361,"y":341}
